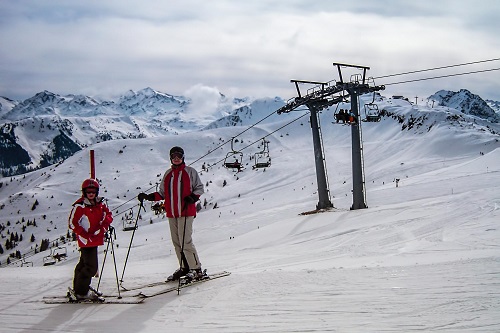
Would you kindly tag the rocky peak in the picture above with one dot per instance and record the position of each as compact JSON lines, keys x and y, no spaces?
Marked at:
{"x":466,"y":102}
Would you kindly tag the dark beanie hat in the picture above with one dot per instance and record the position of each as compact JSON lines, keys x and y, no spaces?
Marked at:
{"x":176,"y":149}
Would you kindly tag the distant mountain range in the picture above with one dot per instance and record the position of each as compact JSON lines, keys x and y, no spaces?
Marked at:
{"x":467,"y":103}
{"x":48,"y":128}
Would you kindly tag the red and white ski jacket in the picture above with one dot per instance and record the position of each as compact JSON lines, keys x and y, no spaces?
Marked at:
{"x":177,"y":183}
{"x":90,"y":222}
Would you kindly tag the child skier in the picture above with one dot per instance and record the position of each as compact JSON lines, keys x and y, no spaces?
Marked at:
{"x":90,"y":218}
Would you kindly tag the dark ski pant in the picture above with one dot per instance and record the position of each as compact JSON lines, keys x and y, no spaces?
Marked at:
{"x":85,"y":269}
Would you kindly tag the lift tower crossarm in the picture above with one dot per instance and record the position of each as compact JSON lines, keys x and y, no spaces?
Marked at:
{"x":313,"y":97}
{"x":339,"y":65}
{"x":310,"y":82}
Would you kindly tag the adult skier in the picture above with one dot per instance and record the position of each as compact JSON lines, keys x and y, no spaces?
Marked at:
{"x":180,"y":187}
{"x":89,"y":219}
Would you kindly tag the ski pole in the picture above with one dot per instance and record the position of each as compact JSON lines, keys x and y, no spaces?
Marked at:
{"x":103,"y":262}
{"x":110,"y":241}
{"x":114,"y":261}
{"x":131,"y":239}
{"x":183,"y":257}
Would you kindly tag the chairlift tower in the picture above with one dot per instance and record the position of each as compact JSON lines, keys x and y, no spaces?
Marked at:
{"x":356,"y":87}
{"x":323,"y":191}
{"x":322,"y":96}
{"x":315,"y":106}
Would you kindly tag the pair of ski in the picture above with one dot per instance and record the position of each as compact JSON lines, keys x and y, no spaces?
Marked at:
{"x":98,"y":299}
{"x":145,"y":291}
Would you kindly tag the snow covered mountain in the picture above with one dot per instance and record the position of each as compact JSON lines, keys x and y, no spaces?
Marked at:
{"x":48,"y":128}
{"x":249,"y":113}
{"x":495,"y":105}
{"x":466,"y":102}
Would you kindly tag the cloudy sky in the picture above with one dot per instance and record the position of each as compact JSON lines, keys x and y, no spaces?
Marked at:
{"x":243,"y":48}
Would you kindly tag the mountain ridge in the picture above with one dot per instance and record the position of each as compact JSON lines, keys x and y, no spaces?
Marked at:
{"x":47,"y":128}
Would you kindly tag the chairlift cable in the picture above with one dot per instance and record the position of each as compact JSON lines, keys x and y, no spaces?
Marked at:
{"x":226,"y":142}
{"x":128,"y":202}
{"x":256,"y":141}
{"x":443,"y":76}
{"x":268,"y":134}
{"x":437,"y":68}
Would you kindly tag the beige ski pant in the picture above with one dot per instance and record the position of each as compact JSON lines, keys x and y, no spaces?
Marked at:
{"x":176,"y":232}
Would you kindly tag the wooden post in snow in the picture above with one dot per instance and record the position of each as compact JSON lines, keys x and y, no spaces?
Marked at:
{"x":92,"y":165}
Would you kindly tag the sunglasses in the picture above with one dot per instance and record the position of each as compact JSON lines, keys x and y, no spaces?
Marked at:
{"x":176,"y":155}
{"x":91,"y":192}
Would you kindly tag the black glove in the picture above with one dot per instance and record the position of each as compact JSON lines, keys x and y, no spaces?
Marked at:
{"x":143,"y":196}
{"x":191,"y":199}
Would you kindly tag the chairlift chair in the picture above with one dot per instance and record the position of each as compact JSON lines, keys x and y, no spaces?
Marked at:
{"x":129,"y":224}
{"x":59,"y":253}
{"x":234,"y":159}
{"x":344,"y":117}
{"x":262,"y":158}
{"x":262,"y":164}
{"x":26,"y":263}
{"x":128,"y":221}
{"x":49,"y":260}
{"x":372,"y":113}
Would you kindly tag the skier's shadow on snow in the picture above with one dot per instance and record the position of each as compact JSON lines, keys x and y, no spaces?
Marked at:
{"x":93,"y":318}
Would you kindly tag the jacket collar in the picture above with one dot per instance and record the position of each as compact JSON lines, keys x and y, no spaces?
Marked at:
{"x":179,"y":167}
{"x":84,"y":201}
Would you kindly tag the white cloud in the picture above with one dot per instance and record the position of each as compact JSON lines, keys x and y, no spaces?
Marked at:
{"x":204,"y":100}
{"x":254,"y":48}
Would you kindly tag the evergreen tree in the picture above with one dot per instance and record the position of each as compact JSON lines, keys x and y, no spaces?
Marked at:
{"x":32,"y":239}
{"x":44,"y":245}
